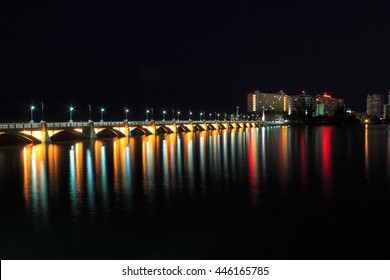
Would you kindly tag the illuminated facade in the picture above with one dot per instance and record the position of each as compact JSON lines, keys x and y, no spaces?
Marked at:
{"x":375,"y":105}
{"x":326,"y":105}
{"x":301,"y":104}
{"x":386,"y":108}
{"x":261,"y":101}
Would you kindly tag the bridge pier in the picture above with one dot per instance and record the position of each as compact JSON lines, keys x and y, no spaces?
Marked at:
{"x":90,"y":131}
{"x":175,"y":129}
{"x":153,"y":128}
{"x":127,"y":131}
{"x":45,"y":138}
{"x":204,"y":125}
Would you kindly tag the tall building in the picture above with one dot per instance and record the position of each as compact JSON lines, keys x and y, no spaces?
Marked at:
{"x":375,"y":105}
{"x":386,"y":108}
{"x":261,"y":101}
{"x":326,"y":105}
{"x":302,"y":104}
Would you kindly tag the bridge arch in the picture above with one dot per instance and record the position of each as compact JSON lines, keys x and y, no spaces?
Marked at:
{"x":68,"y":135}
{"x":163,"y":129}
{"x":221,"y":126}
{"x":109,"y":133}
{"x":17,"y":138}
{"x":211,"y":127}
{"x":183,"y":128}
{"x":140,"y":131}
{"x":198,"y":127}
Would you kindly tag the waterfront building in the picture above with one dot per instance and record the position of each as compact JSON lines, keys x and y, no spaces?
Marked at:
{"x":261,"y":101}
{"x":326,"y":105}
{"x":375,"y":105}
{"x":386,"y":108}
{"x":302,"y":104}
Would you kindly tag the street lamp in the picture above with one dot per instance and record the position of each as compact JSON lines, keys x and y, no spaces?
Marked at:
{"x":200,"y":115}
{"x":147,"y":114}
{"x":101,"y":114}
{"x":126,"y":112}
{"x":164,"y":112}
{"x":210,"y":117}
{"x":190,"y":115}
{"x":178,"y":115}
{"x":218,"y":116}
{"x":71,"y":108}
{"x":32,"y":108}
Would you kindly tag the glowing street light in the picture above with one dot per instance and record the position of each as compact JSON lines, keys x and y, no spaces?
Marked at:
{"x":164,"y":112}
{"x":147,"y":114}
{"x":71,"y":109}
{"x":101,"y":114}
{"x":190,"y":115}
{"x":200,"y":115}
{"x":178,"y":115}
{"x":218,"y":116}
{"x":32,"y":108}
{"x":210,"y":117}
{"x":126,"y":112}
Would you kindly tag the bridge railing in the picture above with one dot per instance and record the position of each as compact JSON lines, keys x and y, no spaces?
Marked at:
{"x":11,"y":126}
{"x":57,"y":125}
{"x":104,"y":124}
{"x":66,"y":124}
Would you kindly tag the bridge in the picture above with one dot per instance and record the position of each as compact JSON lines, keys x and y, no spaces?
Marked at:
{"x":45,"y":132}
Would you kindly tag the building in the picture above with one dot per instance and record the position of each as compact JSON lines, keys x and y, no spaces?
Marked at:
{"x":261,"y":101}
{"x":375,"y":105}
{"x":302,"y":104}
{"x":326,"y":105}
{"x":386,"y":109}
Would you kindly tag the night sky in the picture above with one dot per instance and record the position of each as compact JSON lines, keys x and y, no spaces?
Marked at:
{"x":187,"y":55}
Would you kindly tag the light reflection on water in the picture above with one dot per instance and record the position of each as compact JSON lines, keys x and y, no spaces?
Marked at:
{"x":208,"y":192}
{"x":262,"y":158}
{"x":93,"y":177}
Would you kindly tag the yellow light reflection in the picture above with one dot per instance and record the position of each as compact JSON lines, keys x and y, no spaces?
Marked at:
{"x":189,"y":158}
{"x":283,"y":156}
{"x":35,"y":183}
{"x":366,"y":152}
{"x":148,"y":160}
{"x":253,"y":164}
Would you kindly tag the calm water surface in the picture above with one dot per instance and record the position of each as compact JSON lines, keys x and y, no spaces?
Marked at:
{"x":263,"y":193}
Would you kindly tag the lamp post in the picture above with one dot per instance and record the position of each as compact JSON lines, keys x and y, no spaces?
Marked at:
{"x":164,"y":112}
{"x":190,"y":115}
{"x":101,"y":114}
{"x":210,"y":117}
{"x":126,"y":112}
{"x":200,"y":115}
{"x":71,"y":108}
{"x":147,"y":114}
{"x":218,"y":116}
{"x":32,"y":108}
{"x":178,"y":115}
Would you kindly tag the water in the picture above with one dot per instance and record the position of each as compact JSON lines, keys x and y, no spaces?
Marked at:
{"x":260,"y":193}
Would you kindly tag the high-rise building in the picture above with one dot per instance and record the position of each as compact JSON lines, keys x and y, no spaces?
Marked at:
{"x":375,"y":105}
{"x":326,"y":105}
{"x":302,"y":104}
{"x":386,"y":108}
{"x":261,"y":101}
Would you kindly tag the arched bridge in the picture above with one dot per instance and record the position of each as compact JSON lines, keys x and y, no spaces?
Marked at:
{"x":45,"y":132}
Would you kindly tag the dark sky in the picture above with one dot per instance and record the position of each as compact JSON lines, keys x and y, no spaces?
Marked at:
{"x":187,"y":55}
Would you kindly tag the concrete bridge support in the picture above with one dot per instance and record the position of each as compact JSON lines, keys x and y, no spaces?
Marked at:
{"x":153,"y":128}
{"x":175,"y":127}
{"x":127,"y":131}
{"x":204,"y":125}
{"x":45,"y":138}
{"x":90,"y":131}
